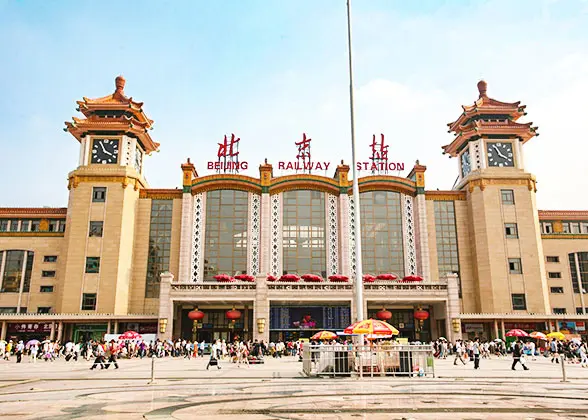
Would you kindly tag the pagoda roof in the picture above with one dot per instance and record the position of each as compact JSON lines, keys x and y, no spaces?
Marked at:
{"x":132,"y":119}
{"x":467,"y":126}
{"x":485,"y":105}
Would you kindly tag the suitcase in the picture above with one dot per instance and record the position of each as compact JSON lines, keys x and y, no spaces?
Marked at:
{"x":213,"y":362}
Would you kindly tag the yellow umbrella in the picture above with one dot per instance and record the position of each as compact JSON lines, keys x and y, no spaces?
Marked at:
{"x":373,"y":327}
{"x":557,"y":335}
{"x":324,"y":335}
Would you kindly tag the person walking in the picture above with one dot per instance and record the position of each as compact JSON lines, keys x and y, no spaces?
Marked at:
{"x":476,"y":353}
{"x":458,"y":353}
{"x":19,"y":350}
{"x":112,"y":351}
{"x":214,"y":356}
{"x":99,"y":354}
{"x":583,"y":351}
{"x":553,"y":350}
{"x":517,"y":355}
{"x":33,"y":351}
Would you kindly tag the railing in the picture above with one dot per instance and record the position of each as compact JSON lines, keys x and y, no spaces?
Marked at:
{"x":309,"y":286}
{"x":237,"y":285}
{"x":390,"y":285}
{"x":382,"y":359}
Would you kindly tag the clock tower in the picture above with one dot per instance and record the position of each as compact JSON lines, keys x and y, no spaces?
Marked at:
{"x":104,"y":190}
{"x":504,"y":227}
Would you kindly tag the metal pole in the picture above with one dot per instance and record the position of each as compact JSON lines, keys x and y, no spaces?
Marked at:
{"x":152,"y":369}
{"x":356,"y":212}
{"x":563,"y":368}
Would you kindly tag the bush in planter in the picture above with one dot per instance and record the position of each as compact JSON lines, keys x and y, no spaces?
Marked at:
{"x":245,"y":277}
{"x":224,"y":278}
{"x":386,"y":277}
{"x":368,"y":278}
{"x":289,"y":277}
{"x":339,"y":278}
{"x":271,"y":278}
{"x":312,"y":278}
{"x":412,"y":278}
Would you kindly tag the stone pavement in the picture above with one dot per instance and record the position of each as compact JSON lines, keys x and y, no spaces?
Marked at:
{"x":183,"y":389}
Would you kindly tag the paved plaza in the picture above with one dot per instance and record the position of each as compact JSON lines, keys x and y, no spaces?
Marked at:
{"x":184,"y":389}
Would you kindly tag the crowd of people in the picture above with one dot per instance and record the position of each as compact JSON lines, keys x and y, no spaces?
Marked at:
{"x":574,"y":351}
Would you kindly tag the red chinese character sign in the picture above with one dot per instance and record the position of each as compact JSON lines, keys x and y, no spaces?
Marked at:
{"x":303,"y":158}
{"x":228,"y":156}
{"x":379,"y":158}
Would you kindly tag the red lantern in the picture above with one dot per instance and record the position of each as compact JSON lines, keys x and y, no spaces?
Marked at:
{"x":196,"y":315}
{"x":233,"y":315}
{"x":384,"y":315}
{"x":421,"y":314}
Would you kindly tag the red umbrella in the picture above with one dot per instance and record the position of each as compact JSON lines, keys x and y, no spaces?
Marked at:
{"x":517,"y":333}
{"x":130,"y":335}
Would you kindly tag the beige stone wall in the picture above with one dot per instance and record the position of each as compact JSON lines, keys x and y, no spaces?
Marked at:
{"x":561,"y":248}
{"x":432,"y":236}
{"x":141,"y":245}
{"x":492,"y":249}
{"x":470,"y":300}
{"x":41,"y":246}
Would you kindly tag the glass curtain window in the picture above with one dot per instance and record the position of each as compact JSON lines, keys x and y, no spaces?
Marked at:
{"x":381,"y":233}
{"x":159,"y":245}
{"x":28,"y":271}
{"x":304,"y":233}
{"x":583,"y":263}
{"x":12,"y":271}
{"x":225,"y":242}
{"x":446,"y":235}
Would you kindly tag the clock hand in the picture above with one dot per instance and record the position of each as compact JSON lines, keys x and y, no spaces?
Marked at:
{"x":104,"y":150}
{"x":499,"y":154}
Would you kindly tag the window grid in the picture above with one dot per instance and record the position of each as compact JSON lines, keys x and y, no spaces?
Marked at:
{"x":12,"y":270}
{"x":515,"y":266}
{"x":507,"y":196}
{"x":560,"y":311}
{"x":226,"y":235}
{"x":556,"y":290}
{"x":304,"y":233}
{"x":511,"y":230}
{"x":446,"y":234}
{"x":583,"y":264}
{"x":553,"y":259}
{"x":46,"y":289}
{"x":89,"y":302}
{"x":98,"y":194}
{"x":519,"y":301}
{"x":96,"y":228}
{"x":554,"y":275}
{"x":159,"y":245}
{"x":92,"y":265}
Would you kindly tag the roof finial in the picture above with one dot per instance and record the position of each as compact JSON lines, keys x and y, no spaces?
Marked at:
{"x":482,"y":86}
{"x":119,"y":82}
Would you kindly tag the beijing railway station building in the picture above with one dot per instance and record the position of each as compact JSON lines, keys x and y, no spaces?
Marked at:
{"x":477,"y":260}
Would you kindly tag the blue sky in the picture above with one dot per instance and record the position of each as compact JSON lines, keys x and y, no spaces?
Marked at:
{"x":271,"y":70}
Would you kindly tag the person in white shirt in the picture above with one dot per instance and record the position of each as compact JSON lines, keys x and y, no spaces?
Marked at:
{"x":33,"y":351}
{"x":458,"y":352}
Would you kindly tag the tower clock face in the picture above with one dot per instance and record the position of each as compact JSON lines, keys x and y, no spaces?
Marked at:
{"x":500,"y":154}
{"x":138,"y":160}
{"x":466,"y":163}
{"x":105,"y":151}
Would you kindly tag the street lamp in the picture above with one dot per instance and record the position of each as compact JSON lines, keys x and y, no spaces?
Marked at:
{"x":356,"y":212}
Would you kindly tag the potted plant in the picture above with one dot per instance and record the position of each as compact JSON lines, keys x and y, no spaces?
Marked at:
{"x":224,"y":278}
{"x":339,"y":278}
{"x":312,"y":278}
{"x":289,"y":277}
{"x":245,"y":277}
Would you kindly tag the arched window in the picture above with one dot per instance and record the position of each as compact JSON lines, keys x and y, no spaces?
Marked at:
{"x":381,"y":232}
{"x":303,"y":232}
{"x":225,"y":244}
{"x":16,"y":267}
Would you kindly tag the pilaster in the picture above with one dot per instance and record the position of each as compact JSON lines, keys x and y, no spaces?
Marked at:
{"x":261,"y":310}
{"x":186,"y":239}
{"x":344,"y":231}
{"x":453,"y":307}
{"x":422,"y":238}
{"x":166,"y":306}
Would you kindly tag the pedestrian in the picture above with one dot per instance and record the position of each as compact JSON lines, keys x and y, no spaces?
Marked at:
{"x":112,"y":351}
{"x":583,"y":350}
{"x":458,"y":349}
{"x":99,"y":354}
{"x":517,"y":356}
{"x":19,"y":351}
{"x":553,"y":350}
{"x":476,"y":353}
{"x":213,"y":361}
{"x":33,"y":351}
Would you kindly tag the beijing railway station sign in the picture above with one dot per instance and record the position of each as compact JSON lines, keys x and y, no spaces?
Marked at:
{"x":378,"y":163}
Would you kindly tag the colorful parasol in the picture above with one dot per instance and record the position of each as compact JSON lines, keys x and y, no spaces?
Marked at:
{"x":371,"y":326}
{"x":130,"y":335}
{"x":517,"y":333}
{"x":539,"y":335}
{"x":557,"y":335}
{"x":324,"y":335}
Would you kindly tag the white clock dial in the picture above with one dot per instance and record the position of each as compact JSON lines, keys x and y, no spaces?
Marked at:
{"x":500,"y":154}
{"x":105,"y":151}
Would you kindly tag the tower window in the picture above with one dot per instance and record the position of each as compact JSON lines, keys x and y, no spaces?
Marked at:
{"x":46,"y":289}
{"x":89,"y":302}
{"x":99,"y":194}
{"x":556,"y":290}
{"x":511,"y":230}
{"x":560,"y":311}
{"x":44,"y":310}
{"x":47,"y":273}
{"x":553,"y":275}
{"x":507,"y":196}
{"x":96,"y":228}
{"x":92,"y":264}
{"x":519,"y":302}
{"x":552,"y":259}
{"x":515,"y":266}
{"x":547,"y":227}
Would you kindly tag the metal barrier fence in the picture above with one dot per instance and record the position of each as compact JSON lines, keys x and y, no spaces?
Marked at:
{"x":382,"y":359}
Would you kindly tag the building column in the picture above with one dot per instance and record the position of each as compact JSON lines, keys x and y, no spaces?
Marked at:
{"x":4,"y":329}
{"x":453,"y":306}
{"x":186,"y":231}
{"x":166,"y":306}
{"x":60,"y":331}
{"x":422,"y":238}
{"x":261,"y":311}
{"x":344,"y":232}
{"x":115,"y":327}
{"x":265,"y":252}
{"x":550,"y":326}
{"x":52,"y":333}
{"x":556,"y":325}
{"x":503,"y":332}
{"x":495,"y":328}
{"x":108,"y":327}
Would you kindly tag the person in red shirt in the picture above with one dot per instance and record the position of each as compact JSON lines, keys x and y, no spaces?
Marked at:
{"x":112,"y":352}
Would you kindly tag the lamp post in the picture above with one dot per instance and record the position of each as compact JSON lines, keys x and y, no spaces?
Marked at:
{"x":356,"y":212}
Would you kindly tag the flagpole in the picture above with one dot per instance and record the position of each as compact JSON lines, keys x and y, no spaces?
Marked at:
{"x":356,"y":212}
